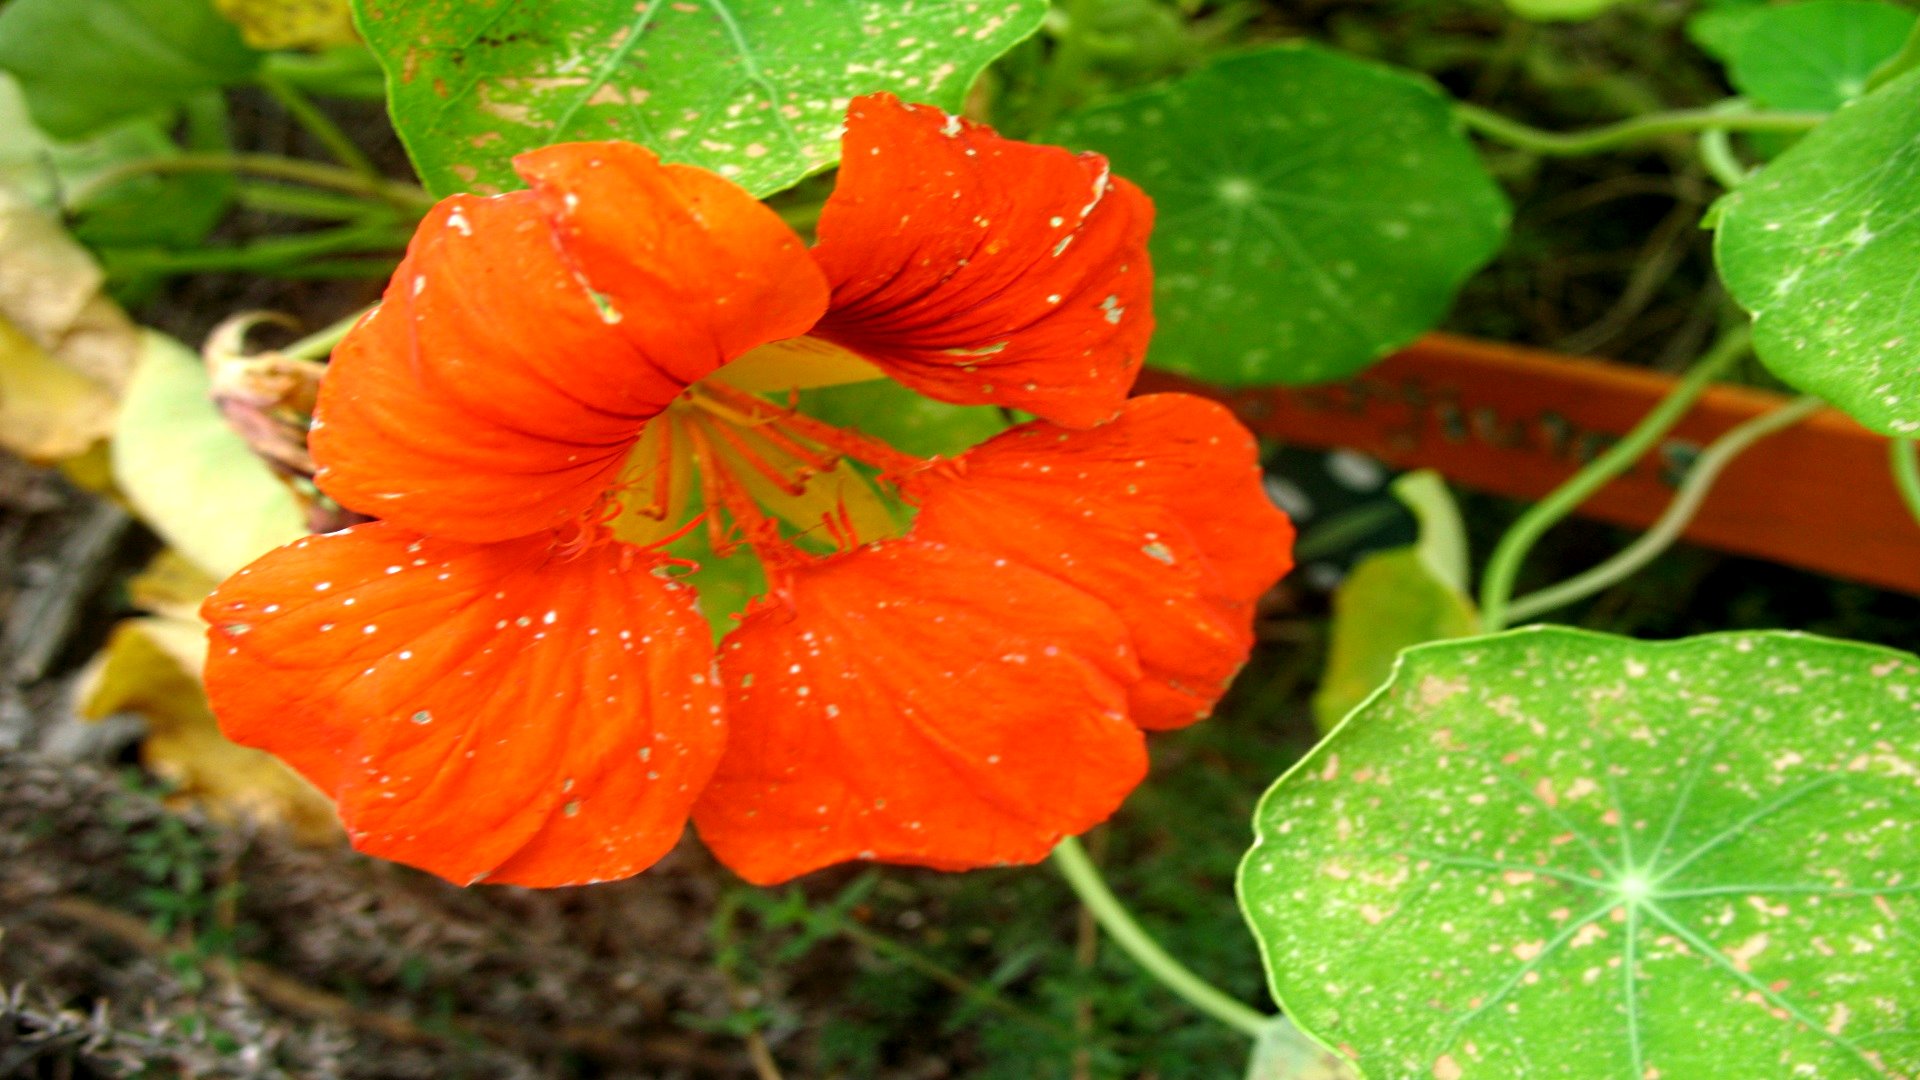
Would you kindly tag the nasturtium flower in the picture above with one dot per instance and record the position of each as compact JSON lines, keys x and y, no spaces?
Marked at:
{"x":506,"y":676}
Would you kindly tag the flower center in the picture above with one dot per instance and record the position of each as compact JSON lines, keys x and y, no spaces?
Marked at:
{"x":787,"y":487}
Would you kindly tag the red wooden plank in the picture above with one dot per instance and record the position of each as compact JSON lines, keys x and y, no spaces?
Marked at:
{"x":1517,"y":422}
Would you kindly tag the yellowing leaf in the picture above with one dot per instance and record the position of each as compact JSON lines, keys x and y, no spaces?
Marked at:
{"x":64,"y":349}
{"x":47,"y":410}
{"x":291,"y":24}
{"x":1391,"y":601}
{"x":188,"y":474}
{"x":151,"y":666}
{"x":1396,"y":599}
{"x":92,"y":471}
{"x":171,"y":586}
{"x":50,"y":291}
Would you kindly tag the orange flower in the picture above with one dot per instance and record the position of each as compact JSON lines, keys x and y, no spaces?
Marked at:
{"x":505,"y":678}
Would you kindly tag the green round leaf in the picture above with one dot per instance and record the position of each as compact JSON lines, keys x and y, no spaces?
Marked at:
{"x":188,"y":474}
{"x":86,"y":64}
{"x":1717,"y":29}
{"x":1824,"y":248}
{"x":154,"y":210}
{"x":1315,"y":211}
{"x":755,"y":90}
{"x":1558,"y":854}
{"x":1815,"y":55}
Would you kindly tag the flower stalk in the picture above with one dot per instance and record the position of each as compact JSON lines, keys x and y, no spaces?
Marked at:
{"x":1674,"y":520}
{"x":1070,"y":858}
{"x":1906,"y":473}
{"x":1535,"y":140}
{"x":1503,"y":567}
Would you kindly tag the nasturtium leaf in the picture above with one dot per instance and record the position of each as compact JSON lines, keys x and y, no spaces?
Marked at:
{"x":188,"y":474}
{"x":1811,"y":56}
{"x":53,"y":175}
{"x":1823,"y":246}
{"x":1717,"y":29}
{"x":152,"y":210}
{"x":1558,"y":854}
{"x":1315,"y":211}
{"x":755,"y":90}
{"x":87,"y":64}
{"x":165,"y":210}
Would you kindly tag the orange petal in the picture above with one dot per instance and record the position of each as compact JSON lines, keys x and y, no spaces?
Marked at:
{"x":981,"y":270}
{"x":703,"y":275}
{"x":915,"y":703}
{"x":1161,"y":513}
{"x":525,"y":340}
{"x":494,"y":710}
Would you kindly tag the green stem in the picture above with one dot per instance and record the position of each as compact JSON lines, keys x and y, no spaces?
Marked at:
{"x":273,"y":198}
{"x":412,"y":198}
{"x":343,"y":71}
{"x":1072,"y":862}
{"x":265,"y":255}
{"x":1674,"y":520}
{"x":319,"y":125}
{"x":321,"y":341}
{"x":1716,"y":154}
{"x":339,"y":269}
{"x":1503,"y":567}
{"x":1906,"y":473}
{"x":1716,"y":147}
{"x":1626,"y":132}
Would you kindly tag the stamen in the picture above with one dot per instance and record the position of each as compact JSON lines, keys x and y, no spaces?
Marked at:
{"x":661,"y":477}
{"x":770,"y":430}
{"x":587,"y":531}
{"x":840,"y":527}
{"x":831,"y":522}
{"x":693,"y":523}
{"x":794,"y":424}
{"x":737,"y":442}
{"x":754,"y":416}
{"x":709,"y":468}
{"x":721,"y":489}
